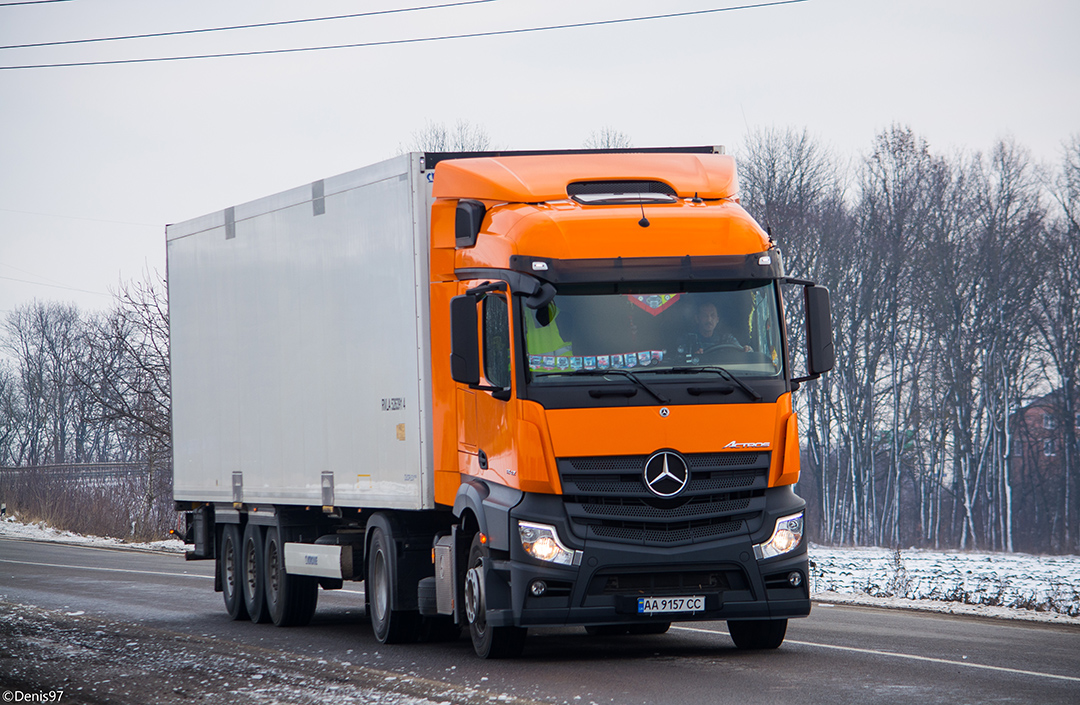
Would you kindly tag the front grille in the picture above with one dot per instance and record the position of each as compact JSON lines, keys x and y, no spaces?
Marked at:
{"x":606,"y":498}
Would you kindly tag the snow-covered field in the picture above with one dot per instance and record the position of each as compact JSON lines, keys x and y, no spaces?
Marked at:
{"x":1009,"y":585}
{"x":1002,"y":585}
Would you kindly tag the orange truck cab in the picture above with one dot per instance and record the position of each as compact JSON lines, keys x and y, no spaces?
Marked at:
{"x":619,"y":418}
{"x":505,"y":390}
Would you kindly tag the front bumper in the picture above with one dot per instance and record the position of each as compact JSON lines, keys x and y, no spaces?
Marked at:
{"x":605,"y":586}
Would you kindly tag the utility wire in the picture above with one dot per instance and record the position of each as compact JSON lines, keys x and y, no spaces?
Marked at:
{"x":30,"y":2}
{"x":470,"y":35}
{"x":53,"y":286}
{"x":242,"y":26}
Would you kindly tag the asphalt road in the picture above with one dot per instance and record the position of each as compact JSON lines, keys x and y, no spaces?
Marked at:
{"x":838,"y":655}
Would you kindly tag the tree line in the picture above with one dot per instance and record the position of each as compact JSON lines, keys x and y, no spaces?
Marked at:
{"x":955,"y":283}
{"x":79,"y":388}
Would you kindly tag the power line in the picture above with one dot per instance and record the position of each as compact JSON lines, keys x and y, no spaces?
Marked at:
{"x":417,"y":40}
{"x":243,"y":26}
{"x":30,"y":2}
{"x":54,"y":286}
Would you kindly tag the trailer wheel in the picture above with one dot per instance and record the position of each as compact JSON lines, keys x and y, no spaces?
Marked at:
{"x":755,"y":634}
{"x":488,"y":641}
{"x":290,"y":599}
{"x":253,"y":574}
{"x":229,"y":564}
{"x":390,"y":626}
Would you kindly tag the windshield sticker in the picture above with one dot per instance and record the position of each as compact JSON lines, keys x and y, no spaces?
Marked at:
{"x":653,"y":304}
{"x":644,"y":358}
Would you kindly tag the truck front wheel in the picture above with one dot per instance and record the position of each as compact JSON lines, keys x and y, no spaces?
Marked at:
{"x":756,"y":634}
{"x":488,"y":641}
{"x":390,"y":626}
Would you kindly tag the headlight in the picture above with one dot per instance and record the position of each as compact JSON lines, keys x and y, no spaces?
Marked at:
{"x":542,"y":543}
{"x":786,"y":537}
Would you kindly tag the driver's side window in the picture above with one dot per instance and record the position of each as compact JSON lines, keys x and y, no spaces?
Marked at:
{"x":496,"y":341}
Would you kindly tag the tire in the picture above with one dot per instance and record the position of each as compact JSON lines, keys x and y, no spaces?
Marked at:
{"x":488,"y":642}
{"x":229,"y":567}
{"x":757,"y":634}
{"x":390,"y":626}
{"x":253,"y":575}
{"x":290,"y":599}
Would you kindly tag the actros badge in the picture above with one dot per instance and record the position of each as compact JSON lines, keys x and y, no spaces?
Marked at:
{"x":666,"y":473}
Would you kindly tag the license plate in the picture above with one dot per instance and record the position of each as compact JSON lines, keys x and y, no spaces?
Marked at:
{"x":652,"y":605}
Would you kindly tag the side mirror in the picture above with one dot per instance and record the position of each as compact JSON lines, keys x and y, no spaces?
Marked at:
{"x":464,"y":346}
{"x":820,"y":356}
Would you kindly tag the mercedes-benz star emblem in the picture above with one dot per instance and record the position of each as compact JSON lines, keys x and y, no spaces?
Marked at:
{"x":666,"y":473}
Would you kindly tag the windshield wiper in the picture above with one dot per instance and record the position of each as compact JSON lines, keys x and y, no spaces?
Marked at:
{"x":593,"y":373}
{"x":722,"y":371}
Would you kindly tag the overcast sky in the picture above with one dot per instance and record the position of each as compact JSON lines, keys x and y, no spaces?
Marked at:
{"x":95,"y":160}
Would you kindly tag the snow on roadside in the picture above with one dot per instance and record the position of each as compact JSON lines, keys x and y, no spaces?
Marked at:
{"x":1001,"y":585}
{"x":1014,"y":585}
{"x":11,"y":527}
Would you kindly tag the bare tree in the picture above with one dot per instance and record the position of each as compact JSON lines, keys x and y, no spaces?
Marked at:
{"x":1058,"y":325}
{"x":128,"y":376}
{"x":607,"y":138}
{"x":463,"y":136}
{"x":47,"y":342}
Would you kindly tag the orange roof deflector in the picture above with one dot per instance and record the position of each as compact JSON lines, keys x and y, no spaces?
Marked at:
{"x":536,"y":179}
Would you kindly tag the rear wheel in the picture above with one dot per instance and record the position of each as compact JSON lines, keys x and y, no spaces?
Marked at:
{"x":757,"y":633}
{"x":253,"y":574}
{"x":290,"y":599}
{"x":488,"y":641}
{"x":390,"y":626}
{"x":229,"y":563}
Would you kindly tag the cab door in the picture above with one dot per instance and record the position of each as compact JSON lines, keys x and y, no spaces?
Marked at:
{"x":487,"y":411}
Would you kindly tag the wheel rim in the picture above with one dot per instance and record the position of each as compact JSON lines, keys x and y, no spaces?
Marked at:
{"x":251,"y":568}
{"x":230,"y":568}
{"x":381,"y":597}
{"x":474,"y":597}
{"x":272,"y":576}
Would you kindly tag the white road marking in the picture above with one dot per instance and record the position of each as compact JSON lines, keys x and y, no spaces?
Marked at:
{"x":109,"y":570}
{"x":139,"y":572}
{"x":912,"y":657}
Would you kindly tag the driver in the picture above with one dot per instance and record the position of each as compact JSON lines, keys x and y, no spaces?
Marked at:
{"x":708,"y":334}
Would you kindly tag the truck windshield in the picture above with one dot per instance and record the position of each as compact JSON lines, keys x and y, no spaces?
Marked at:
{"x":650,"y":330}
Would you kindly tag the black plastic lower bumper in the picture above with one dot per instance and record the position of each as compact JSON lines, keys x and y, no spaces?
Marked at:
{"x":609,"y":580}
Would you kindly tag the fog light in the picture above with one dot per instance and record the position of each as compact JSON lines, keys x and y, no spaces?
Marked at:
{"x":794,"y":578}
{"x":538,"y":588}
{"x":786,"y":537}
